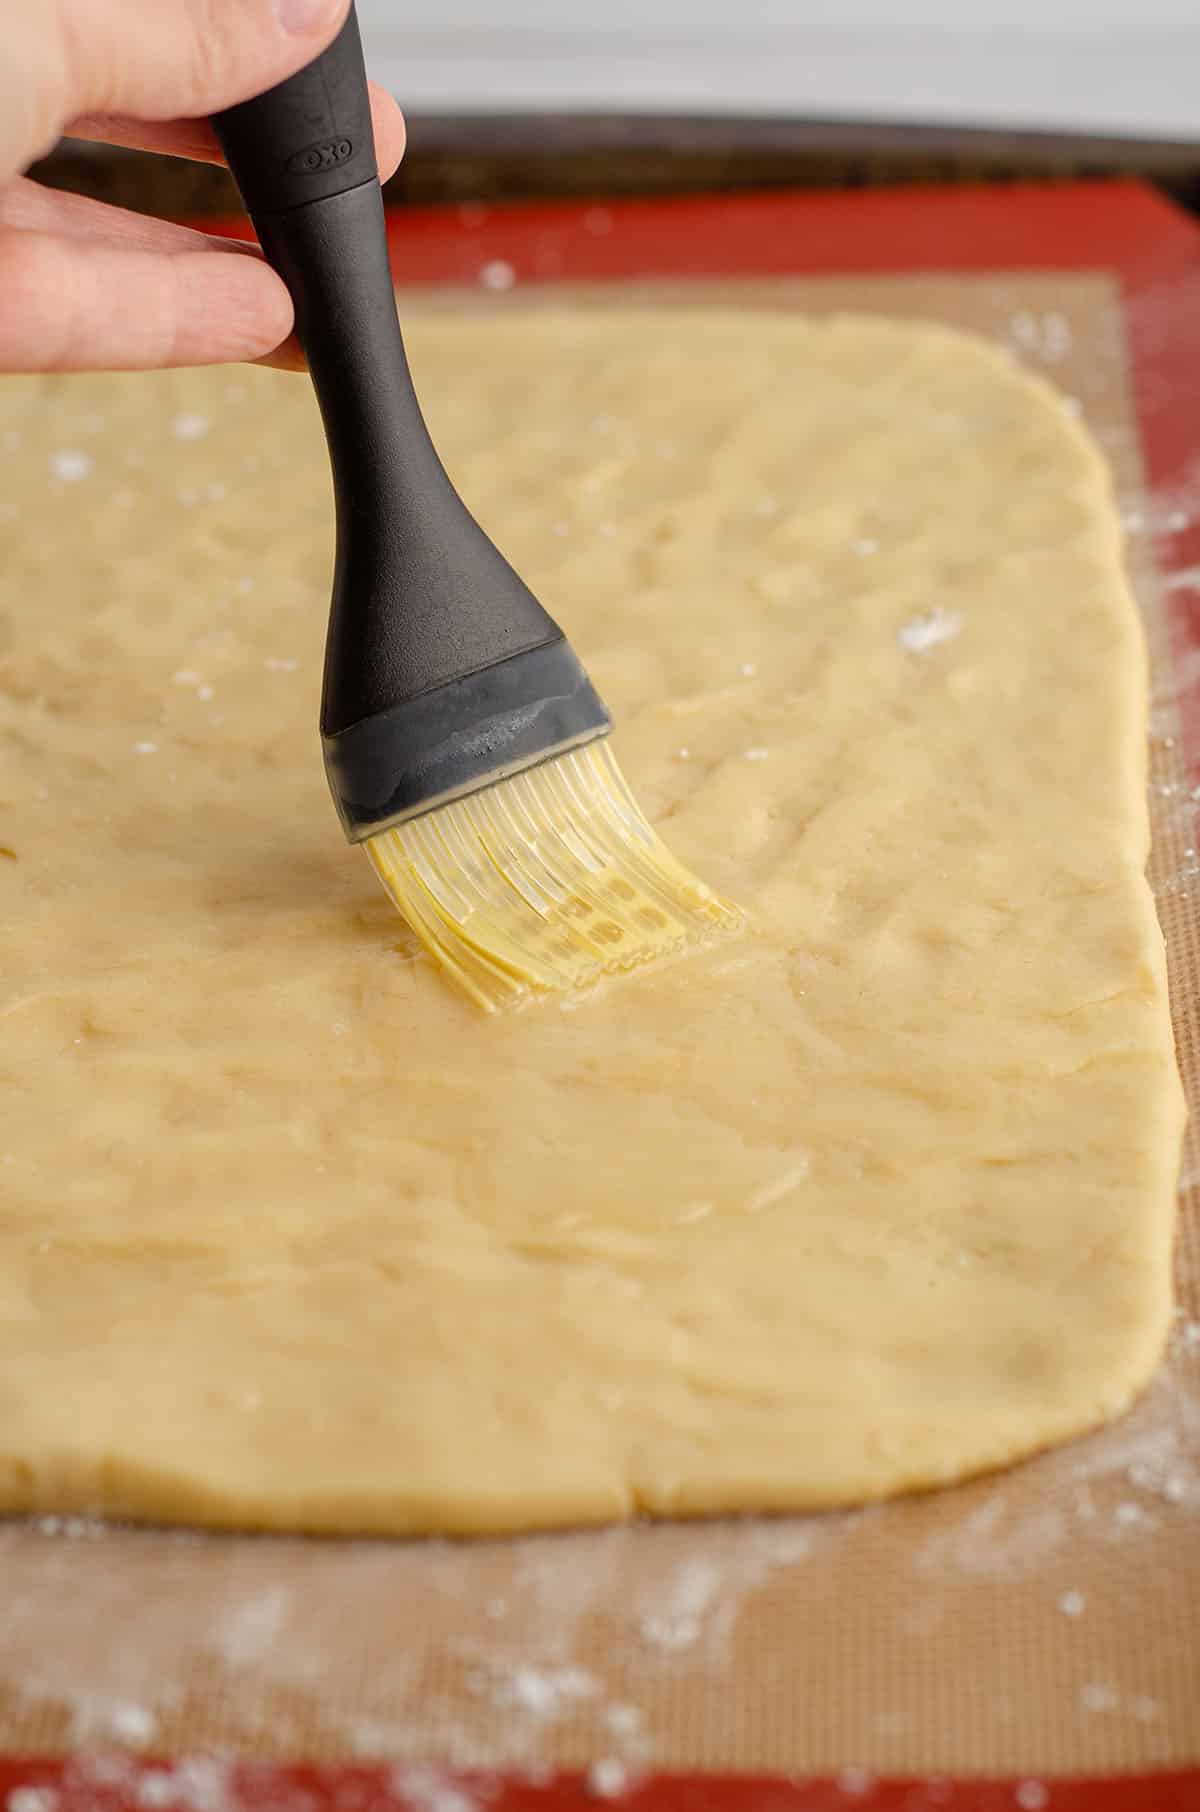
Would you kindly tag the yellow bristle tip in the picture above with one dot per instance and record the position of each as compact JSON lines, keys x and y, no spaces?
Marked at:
{"x":545,"y":883}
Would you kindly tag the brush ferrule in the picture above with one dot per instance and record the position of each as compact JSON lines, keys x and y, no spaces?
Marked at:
{"x":455,"y":738}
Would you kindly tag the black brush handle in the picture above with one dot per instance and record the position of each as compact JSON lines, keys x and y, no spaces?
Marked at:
{"x":421,"y":597}
{"x":308,"y":138}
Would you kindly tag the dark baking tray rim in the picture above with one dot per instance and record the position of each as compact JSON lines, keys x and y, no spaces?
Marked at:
{"x":524,"y":155}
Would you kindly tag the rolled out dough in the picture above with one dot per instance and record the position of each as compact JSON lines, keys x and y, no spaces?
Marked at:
{"x":873,"y":1198}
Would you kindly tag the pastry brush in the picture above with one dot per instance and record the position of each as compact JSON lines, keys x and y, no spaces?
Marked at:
{"x":464,"y":743}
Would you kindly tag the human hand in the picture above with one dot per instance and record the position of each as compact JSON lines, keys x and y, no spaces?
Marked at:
{"x":86,"y":286}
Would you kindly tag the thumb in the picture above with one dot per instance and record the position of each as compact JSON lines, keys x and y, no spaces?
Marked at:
{"x":176,"y":59}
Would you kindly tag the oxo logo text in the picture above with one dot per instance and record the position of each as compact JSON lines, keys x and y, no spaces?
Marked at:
{"x":325,"y":155}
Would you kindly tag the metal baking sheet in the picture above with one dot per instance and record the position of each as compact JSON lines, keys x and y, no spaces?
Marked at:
{"x":986,"y":1646}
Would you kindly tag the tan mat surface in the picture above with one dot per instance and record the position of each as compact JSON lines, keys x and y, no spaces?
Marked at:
{"x":1044,"y":1620}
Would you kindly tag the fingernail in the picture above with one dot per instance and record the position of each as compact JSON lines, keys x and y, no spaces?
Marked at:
{"x":303,"y":16}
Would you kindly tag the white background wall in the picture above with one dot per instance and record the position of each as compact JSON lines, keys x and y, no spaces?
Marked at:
{"x":1104,"y":65}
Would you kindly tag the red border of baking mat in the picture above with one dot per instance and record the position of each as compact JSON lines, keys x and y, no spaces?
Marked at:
{"x":1121,"y":228}
{"x":90,"y":1786}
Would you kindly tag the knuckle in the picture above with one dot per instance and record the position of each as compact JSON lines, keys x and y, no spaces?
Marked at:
{"x":39,"y":101}
{"x":214,"y":45}
{"x":35,"y":326}
{"x":174,"y":58}
{"x":85,"y":56}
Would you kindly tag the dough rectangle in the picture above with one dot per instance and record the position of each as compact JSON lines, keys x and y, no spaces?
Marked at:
{"x":878,"y":1199}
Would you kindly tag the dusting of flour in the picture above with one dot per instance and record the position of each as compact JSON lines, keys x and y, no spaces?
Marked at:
{"x":922,"y":633}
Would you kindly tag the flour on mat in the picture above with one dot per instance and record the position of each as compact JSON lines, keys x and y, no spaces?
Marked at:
{"x":431,"y":1790}
{"x":608,"y":1778}
{"x":1043,"y":334}
{"x":541,"y":1692}
{"x":155,"y":1789}
{"x":31,"y":1799}
{"x":994,"y":1541}
{"x":98,"y":1718}
{"x":678,"y":1620}
{"x":193,"y":1784}
{"x":1158,"y":1454}
{"x":251,"y":1628}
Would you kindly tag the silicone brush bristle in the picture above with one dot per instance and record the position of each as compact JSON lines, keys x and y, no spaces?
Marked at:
{"x":545,"y":883}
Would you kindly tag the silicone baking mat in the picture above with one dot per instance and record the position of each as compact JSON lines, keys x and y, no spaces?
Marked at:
{"x":1029,"y":1641}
